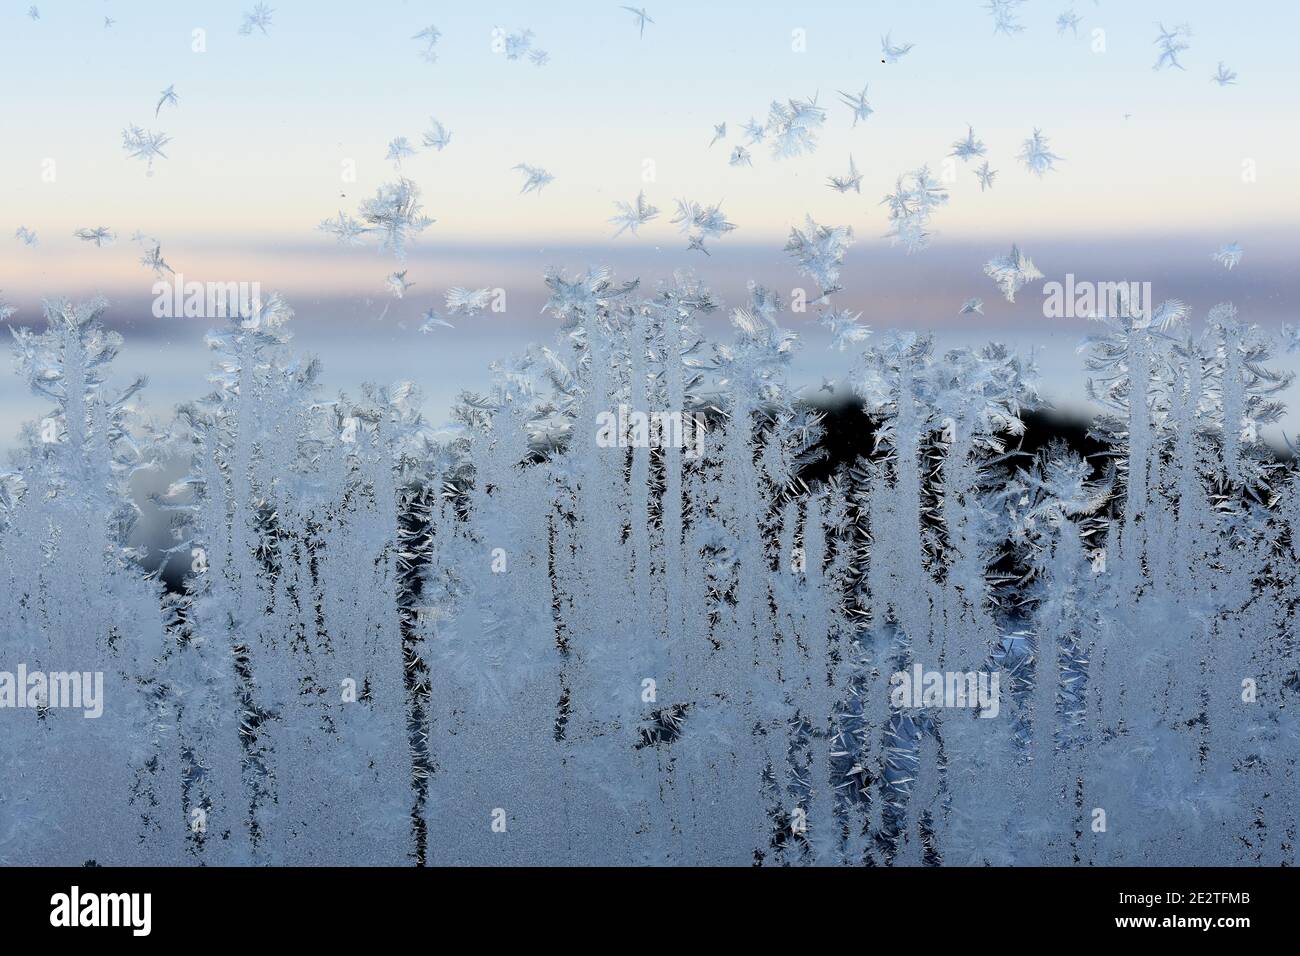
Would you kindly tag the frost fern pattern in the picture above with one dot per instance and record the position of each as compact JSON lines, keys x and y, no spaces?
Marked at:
{"x":505,"y":642}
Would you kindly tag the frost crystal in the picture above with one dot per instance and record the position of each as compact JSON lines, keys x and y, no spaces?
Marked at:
{"x":430,"y":36}
{"x":518,"y":44}
{"x":259,"y":17}
{"x":986,"y":176}
{"x":973,"y":306}
{"x":1291,"y":336}
{"x":966,"y":148}
{"x":432,"y":321}
{"x":701,"y":223}
{"x":853,"y":180}
{"x":1069,"y":20}
{"x":758,"y":318}
{"x":25,"y":235}
{"x":892,"y":52}
{"x":754,"y":131}
{"x":347,"y":230}
{"x":858,"y":104}
{"x":1036,"y":156}
{"x":819,"y":252}
{"x":144,"y":144}
{"x":1229,"y":255}
{"x":634,"y":214}
{"x":641,"y":19}
{"x":154,"y":260}
{"x":438,"y":136}
{"x":1011,"y":272}
{"x":1224,"y":76}
{"x":394,"y":213}
{"x":398,"y":149}
{"x":1171,"y":43}
{"x":915,"y":197}
{"x":844,"y":327}
{"x":462,"y":301}
{"x":583,"y":297}
{"x":534,"y":177}
{"x":1004,"y":16}
{"x":397,"y":284}
{"x":793,"y":127}
{"x":740,"y":157}
{"x":167,"y":97}
{"x":100,"y":235}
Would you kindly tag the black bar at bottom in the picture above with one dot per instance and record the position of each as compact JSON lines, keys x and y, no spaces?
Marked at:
{"x":215,"y":906}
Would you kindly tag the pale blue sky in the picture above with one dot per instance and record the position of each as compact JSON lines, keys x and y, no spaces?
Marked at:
{"x":265,"y":122}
